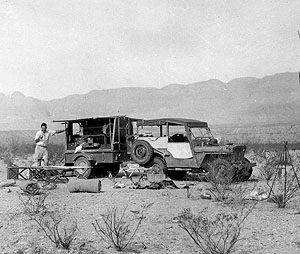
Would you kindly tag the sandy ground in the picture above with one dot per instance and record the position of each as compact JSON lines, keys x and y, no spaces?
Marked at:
{"x":267,"y":229}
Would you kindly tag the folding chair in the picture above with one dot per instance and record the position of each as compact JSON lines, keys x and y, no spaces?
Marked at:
{"x":130,"y":172}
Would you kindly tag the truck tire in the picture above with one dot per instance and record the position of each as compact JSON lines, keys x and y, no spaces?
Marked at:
{"x":83,"y":162}
{"x":141,"y":152}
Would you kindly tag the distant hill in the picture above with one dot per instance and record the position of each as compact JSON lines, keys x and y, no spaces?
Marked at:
{"x":243,"y":101}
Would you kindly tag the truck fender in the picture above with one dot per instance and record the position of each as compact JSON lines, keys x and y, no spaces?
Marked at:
{"x":89,"y":157}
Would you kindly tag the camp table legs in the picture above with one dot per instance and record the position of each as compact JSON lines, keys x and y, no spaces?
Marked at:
{"x":17,"y":172}
{"x":39,"y":173}
{"x":129,"y":175}
{"x":49,"y":174}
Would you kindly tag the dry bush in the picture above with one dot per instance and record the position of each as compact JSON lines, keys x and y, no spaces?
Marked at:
{"x":269,"y":161}
{"x":8,"y":157}
{"x":34,"y":204}
{"x":56,"y":154}
{"x":239,"y":193}
{"x":219,"y":188}
{"x":14,"y":147}
{"x":116,"y":228}
{"x":217,"y":235}
{"x":59,"y":233}
{"x":11,"y":148}
{"x":50,"y":222}
{"x":283,"y":189}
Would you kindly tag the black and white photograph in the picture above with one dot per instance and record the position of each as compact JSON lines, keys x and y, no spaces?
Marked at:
{"x":149,"y":126}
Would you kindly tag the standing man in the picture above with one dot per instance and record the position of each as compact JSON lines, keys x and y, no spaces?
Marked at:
{"x":41,"y":149}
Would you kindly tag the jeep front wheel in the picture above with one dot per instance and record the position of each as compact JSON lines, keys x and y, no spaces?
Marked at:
{"x":221,"y":171}
{"x":141,"y":152}
{"x":244,"y":173}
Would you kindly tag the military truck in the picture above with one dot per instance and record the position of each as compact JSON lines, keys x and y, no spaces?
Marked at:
{"x":175,"y":146}
{"x":98,"y":144}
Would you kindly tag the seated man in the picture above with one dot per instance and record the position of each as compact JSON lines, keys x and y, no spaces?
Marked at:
{"x":80,"y":144}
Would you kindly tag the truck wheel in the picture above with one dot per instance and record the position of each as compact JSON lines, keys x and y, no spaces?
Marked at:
{"x":159,"y":165}
{"x":244,"y":174}
{"x":221,"y":171}
{"x":83,"y":162}
{"x":141,"y":152}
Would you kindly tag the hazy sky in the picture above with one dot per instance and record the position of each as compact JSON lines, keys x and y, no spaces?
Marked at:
{"x":52,"y":48}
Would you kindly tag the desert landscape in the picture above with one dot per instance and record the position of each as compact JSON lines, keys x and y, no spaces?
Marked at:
{"x":267,"y":229}
{"x":95,"y":70}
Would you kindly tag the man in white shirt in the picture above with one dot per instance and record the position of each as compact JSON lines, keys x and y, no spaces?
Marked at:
{"x":41,"y":149}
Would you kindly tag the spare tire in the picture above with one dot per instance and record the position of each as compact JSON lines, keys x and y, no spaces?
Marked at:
{"x":141,"y":152}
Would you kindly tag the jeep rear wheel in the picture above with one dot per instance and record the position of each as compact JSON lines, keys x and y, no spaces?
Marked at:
{"x":86,"y":169}
{"x":158,"y":165}
{"x":141,"y":152}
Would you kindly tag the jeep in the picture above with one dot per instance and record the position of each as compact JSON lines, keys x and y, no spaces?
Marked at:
{"x":175,"y":146}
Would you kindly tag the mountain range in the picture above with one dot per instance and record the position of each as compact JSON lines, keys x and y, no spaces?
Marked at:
{"x":243,"y":101}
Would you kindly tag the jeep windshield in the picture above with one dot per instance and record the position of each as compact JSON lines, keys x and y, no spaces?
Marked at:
{"x":200,"y":133}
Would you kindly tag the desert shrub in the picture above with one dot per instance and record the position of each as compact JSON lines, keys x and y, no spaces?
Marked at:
{"x":117,"y":229}
{"x":62,"y":234}
{"x":219,"y":186}
{"x":56,"y":154}
{"x":220,"y":191}
{"x":217,"y":235}
{"x":284,"y":188}
{"x":230,"y":193}
{"x":8,"y":157}
{"x":269,"y":162}
{"x":14,"y":147}
{"x":25,"y":149}
{"x":34,"y":204}
{"x":239,"y":194}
